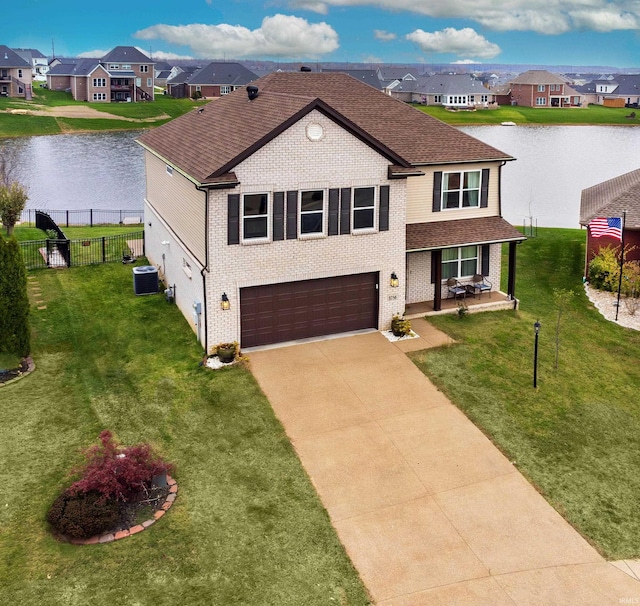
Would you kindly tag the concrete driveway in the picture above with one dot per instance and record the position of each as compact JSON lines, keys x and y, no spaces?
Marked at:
{"x":428,"y":509}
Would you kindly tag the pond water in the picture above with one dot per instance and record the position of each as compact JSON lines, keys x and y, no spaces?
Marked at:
{"x":554,"y":164}
{"x":77,"y":172}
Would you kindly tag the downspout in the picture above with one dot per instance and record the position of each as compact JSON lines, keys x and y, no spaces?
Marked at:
{"x":500,"y":187}
{"x":206,"y":266}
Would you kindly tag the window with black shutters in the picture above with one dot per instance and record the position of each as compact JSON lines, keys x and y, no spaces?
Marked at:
{"x":364,"y":205}
{"x":255,"y":216}
{"x":312,"y":212}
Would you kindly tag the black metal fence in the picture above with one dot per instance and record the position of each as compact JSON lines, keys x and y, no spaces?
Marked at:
{"x":91,"y":216}
{"x":39,"y":254}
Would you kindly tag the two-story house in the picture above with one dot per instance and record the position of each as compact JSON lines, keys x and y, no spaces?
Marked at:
{"x":15,"y":74}
{"x":540,"y":88}
{"x":123,"y":74}
{"x":312,"y":204}
{"x":38,"y":62}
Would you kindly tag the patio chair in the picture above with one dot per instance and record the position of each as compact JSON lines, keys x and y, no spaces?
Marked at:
{"x":456,"y":289}
{"x":480,"y":284}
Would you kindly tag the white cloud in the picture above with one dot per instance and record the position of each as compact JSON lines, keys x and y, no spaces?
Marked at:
{"x":464,"y":62}
{"x":162,"y":56}
{"x":316,"y":6}
{"x":279,"y":36}
{"x":371,"y":59}
{"x":542,"y":16}
{"x":455,"y":41}
{"x":380,"y":34}
{"x":94,"y":54}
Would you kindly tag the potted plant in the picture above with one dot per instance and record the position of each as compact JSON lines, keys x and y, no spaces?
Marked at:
{"x":226,"y":352}
{"x":400,"y":326}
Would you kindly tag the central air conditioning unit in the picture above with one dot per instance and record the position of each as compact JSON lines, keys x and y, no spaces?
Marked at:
{"x":145,"y":280}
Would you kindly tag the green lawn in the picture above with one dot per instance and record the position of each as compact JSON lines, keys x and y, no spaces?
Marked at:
{"x":594,"y":114}
{"x":577,"y":438}
{"x":26,"y":232}
{"x":247,"y":527}
{"x":154,"y":113}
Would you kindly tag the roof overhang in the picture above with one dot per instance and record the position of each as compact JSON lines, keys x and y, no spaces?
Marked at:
{"x":461,"y":232}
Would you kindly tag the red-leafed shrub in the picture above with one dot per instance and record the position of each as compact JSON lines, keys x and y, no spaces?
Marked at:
{"x":83,"y":515}
{"x":118,"y":473}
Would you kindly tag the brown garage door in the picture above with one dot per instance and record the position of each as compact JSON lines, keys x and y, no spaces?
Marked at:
{"x":309,"y":308}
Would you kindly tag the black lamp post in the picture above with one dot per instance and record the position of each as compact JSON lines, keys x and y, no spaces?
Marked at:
{"x":536,"y":328}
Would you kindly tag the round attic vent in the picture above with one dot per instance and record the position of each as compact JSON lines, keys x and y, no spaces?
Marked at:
{"x":315,"y":131}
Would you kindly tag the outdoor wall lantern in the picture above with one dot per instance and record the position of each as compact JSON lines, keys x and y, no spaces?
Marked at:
{"x":394,"y":280}
{"x":224,"y":302}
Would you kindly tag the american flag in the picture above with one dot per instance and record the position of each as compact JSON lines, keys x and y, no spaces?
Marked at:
{"x":603,"y":226}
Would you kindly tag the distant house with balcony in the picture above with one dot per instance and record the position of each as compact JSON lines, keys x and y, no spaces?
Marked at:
{"x":123,"y":74}
{"x":15,"y":75}
{"x":540,"y":88}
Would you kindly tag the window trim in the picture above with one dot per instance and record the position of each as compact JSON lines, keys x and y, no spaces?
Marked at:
{"x":459,"y":260}
{"x":99,"y":82}
{"x":99,"y":96}
{"x":541,"y":101}
{"x":374,"y":208}
{"x":267,"y":217}
{"x":316,"y":234}
{"x":225,"y":89}
{"x":144,"y":69}
{"x":461,"y":190}
{"x":541,"y":88}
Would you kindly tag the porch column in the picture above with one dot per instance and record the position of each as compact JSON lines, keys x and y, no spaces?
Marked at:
{"x":436,"y":264}
{"x":511,"y":284}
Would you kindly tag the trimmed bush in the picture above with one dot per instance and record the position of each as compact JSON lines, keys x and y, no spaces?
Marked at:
{"x":83,"y":515}
{"x":15,"y":335}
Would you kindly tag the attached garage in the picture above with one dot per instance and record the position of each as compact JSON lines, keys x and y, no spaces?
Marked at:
{"x":310,"y":308}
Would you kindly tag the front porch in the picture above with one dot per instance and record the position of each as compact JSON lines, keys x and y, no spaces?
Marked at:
{"x":494,"y":301}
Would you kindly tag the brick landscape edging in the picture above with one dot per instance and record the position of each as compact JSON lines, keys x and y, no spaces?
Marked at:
{"x":31,"y":366}
{"x":121,"y":534}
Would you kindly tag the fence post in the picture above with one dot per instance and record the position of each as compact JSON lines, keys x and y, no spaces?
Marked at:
{"x":104,"y":252}
{"x":91,"y":217}
{"x":67,"y":218}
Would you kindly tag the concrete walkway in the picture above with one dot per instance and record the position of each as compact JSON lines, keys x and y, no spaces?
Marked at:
{"x":429,"y":511}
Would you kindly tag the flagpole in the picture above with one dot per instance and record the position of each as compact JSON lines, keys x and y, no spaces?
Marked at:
{"x":624,"y":216}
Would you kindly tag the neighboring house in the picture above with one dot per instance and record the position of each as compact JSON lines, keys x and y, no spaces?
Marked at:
{"x":162,"y":72}
{"x":15,"y":75}
{"x":311,"y":204}
{"x":540,"y":88}
{"x":619,"y":91}
{"x":368,"y":76}
{"x":450,"y":90}
{"x":610,"y":199}
{"x":177,"y":82}
{"x":123,"y":74}
{"x":588,"y":92}
{"x":218,"y":79}
{"x":39,"y":63}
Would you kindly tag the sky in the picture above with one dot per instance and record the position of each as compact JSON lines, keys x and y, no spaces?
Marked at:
{"x":541,"y":32}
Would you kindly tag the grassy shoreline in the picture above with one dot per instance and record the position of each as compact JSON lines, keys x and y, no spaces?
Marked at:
{"x":164,"y":108}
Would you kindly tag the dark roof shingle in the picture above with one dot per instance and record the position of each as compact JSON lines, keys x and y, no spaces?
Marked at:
{"x":405,"y":135}
{"x":610,"y":198}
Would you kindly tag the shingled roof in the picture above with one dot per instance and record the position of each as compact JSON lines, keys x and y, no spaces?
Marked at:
{"x":463,"y":232}
{"x":610,"y":198}
{"x":239,"y":126}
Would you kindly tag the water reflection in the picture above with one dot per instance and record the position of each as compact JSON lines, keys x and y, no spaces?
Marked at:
{"x":554,"y":164}
{"x":95,"y":170}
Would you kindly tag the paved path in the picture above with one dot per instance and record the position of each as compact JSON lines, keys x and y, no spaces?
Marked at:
{"x":429,"y":511}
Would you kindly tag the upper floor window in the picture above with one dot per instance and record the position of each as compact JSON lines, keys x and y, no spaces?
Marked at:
{"x":312,"y":212}
{"x":461,"y":189}
{"x":98,"y":82}
{"x":364,"y":205}
{"x":255,"y":216}
{"x":144,"y":68}
{"x":225,"y":89}
{"x":541,"y":100}
{"x":19,"y":73}
{"x":459,"y":262}
{"x":541,"y":88}
{"x":114,"y":66}
{"x":126,"y":66}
